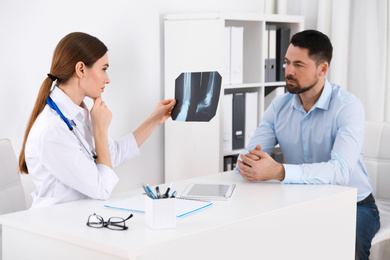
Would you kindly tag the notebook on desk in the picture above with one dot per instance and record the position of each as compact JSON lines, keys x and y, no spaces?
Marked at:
{"x":137,"y":203}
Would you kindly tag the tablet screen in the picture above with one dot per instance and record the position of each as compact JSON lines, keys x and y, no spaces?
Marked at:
{"x":209,"y":190}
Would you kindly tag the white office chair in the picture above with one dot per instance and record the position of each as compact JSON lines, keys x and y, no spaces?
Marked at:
{"x":11,"y":190}
{"x":377,"y":160}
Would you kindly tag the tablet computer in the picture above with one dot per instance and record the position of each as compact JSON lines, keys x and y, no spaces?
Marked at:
{"x":209,"y":191}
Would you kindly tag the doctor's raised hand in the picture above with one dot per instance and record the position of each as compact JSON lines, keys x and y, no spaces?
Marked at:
{"x":160,"y":114}
{"x":66,"y":148}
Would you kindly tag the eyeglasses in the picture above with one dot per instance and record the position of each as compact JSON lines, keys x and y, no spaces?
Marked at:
{"x":114,"y":223}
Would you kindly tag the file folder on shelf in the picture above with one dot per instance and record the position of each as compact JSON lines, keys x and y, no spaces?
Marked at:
{"x":251,"y":115}
{"x":238,"y":120}
{"x":272,"y":53}
{"x":265,"y":54}
{"x":271,"y":57}
{"x":282,"y":42}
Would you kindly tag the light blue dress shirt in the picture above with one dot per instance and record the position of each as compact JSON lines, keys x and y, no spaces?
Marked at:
{"x":322,"y":146}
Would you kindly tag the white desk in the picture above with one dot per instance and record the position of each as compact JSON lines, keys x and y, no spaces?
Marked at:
{"x":261,"y":221}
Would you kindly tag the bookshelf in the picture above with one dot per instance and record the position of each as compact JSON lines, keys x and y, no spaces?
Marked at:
{"x":197,"y":42}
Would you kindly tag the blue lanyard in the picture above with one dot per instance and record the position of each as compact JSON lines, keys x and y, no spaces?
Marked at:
{"x":69,"y":123}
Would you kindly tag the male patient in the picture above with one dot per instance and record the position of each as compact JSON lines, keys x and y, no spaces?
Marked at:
{"x":320,"y":129}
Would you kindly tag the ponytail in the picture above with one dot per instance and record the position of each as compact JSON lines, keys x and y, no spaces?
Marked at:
{"x":40,"y":104}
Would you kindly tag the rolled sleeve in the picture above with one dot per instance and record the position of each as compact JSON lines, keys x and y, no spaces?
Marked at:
{"x":123,"y":150}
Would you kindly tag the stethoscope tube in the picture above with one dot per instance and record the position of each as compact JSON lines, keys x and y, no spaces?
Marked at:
{"x":70,"y":124}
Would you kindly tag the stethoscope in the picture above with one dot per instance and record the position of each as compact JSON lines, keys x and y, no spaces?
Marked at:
{"x":72,"y":125}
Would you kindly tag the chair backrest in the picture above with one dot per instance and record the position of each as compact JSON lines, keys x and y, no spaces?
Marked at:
{"x":11,"y":190}
{"x":377,"y":157}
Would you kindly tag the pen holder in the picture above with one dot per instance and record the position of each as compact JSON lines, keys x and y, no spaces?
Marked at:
{"x":160,"y":213}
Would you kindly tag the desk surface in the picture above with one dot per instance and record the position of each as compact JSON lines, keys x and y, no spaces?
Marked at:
{"x":67,"y":222}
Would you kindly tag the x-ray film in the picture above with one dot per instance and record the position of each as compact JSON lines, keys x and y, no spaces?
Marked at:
{"x":197,"y":96}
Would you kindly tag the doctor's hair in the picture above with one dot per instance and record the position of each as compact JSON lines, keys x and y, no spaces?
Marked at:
{"x":73,"y":48}
{"x":319,"y":45}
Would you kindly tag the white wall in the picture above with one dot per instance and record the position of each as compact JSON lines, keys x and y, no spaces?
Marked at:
{"x":133,"y":32}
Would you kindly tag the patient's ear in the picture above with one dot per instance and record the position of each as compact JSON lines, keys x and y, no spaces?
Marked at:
{"x":323,"y":68}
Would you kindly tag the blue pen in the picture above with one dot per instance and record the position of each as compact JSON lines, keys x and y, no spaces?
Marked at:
{"x":150,"y":192}
{"x":158,"y":192}
{"x":173,"y":194}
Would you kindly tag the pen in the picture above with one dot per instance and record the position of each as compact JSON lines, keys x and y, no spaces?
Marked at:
{"x":158,"y":192}
{"x":150,"y":192}
{"x":173,"y":194}
{"x":166,"y":194}
{"x":146,"y":191}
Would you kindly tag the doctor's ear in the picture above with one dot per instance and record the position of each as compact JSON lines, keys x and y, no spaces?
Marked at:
{"x":80,"y":69}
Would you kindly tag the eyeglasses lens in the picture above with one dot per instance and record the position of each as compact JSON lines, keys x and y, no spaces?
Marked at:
{"x":95,"y":221}
{"x":116,"y":223}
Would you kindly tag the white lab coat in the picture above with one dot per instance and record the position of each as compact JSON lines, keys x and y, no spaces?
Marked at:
{"x":60,"y":167}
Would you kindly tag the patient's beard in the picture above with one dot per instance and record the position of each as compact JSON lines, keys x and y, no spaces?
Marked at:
{"x":297,"y":89}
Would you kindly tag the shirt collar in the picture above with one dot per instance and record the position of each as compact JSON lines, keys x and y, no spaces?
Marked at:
{"x":66,"y":105}
{"x":322,"y":103}
{"x":324,"y":100}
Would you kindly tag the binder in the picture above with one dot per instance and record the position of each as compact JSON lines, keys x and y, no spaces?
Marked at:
{"x":227,"y":122}
{"x":271,"y":53}
{"x":226,"y":53}
{"x":238,"y":120}
{"x":265,"y":54}
{"x":237,"y":55}
{"x":251,"y":115}
{"x":137,"y":203}
{"x":282,"y":43}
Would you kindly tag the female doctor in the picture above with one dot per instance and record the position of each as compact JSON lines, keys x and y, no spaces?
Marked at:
{"x":66,"y":148}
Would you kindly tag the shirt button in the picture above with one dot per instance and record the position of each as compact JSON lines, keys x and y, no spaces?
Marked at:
{"x":305,"y":139}
{"x":307,"y":161}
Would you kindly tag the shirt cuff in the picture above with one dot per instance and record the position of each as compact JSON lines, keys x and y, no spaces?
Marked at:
{"x":132,"y":148}
{"x":293,"y":173}
{"x":109,"y":178}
